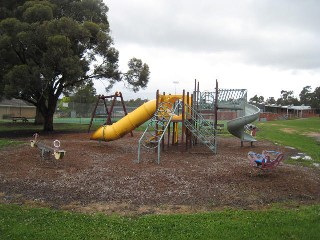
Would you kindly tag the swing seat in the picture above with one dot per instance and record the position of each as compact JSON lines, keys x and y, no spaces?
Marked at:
{"x":267,"y":160}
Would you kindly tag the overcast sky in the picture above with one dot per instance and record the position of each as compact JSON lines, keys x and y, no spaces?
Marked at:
{"x":264,"y":46}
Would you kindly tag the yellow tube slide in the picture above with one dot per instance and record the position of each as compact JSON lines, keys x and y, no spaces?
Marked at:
{"x":133,"y":120}
{"x":126,"y":124}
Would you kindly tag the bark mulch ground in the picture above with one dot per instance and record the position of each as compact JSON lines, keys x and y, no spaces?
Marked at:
{"x":104,"y":176}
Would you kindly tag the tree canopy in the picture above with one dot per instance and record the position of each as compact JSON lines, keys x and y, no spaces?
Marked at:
{"x":306,"y":97}
{"x":50,"y":47}
{"x":287,"y":98}
{"x":256,"y":99}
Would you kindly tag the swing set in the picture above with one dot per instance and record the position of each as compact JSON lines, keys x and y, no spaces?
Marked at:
{"x":109,"y":111}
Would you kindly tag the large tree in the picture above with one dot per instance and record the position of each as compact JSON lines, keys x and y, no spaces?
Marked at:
{"x":315,"y":99}
{"x":256,"y":99}
{"x":270,"y":100}
{"x":306,"y":95}
{"x":287,"y":98}
{"x":50,"y":47}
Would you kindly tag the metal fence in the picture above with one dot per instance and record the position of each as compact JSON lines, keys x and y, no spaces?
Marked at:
{"x":84,"y":111}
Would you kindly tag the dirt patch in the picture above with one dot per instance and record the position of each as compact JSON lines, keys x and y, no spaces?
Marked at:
{"x":315,"y":135}
{"x":288,"y":130}
{"x":105,"y":177}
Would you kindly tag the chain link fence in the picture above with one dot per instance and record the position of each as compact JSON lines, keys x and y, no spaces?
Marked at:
{"x":75,"y":112}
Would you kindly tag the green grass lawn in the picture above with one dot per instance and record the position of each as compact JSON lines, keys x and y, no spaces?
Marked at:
{"x":293,"y":133}
{"x":34,"y":223}
{"x":6,"y":142}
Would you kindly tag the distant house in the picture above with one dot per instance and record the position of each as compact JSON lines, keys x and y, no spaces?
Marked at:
{"x":272,"y":112}
{"x":16,"y":108}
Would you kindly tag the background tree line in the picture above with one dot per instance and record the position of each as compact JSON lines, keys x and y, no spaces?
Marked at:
{"x":307,"y":97}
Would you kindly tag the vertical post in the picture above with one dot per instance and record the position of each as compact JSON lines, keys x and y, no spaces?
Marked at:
{"x":174,"y":132}
{"x":157,"y":99}
{"x":183,"y":116}
{"x":162,"y":140}
{"x":168,"y":140}
{"x":108,"y":121}
{"x":113,"y":103}
{"x":191,"y":119}
{"x":175,"y":86}
{"x":187,"y":113}
{"x":93,"y":113}
{"x":194,"y":106}
{"x":216,"y":106}
{"x":197,"y":107}
{"x":156,"y":127}
{"x":124,"y":108}
{"x":139,"y":146}
{"x":198,"y":93}
{"x":216,"y":116}
{"x":159,"y":152}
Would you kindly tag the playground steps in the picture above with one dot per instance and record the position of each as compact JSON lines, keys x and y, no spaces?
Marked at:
{"x":154,"y":131}
{"x":202,"y":129}
{"x":156,"y":128}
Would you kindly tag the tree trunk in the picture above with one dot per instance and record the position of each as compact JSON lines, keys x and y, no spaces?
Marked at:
{"x":39,"y":119}
{"x":46,"y":110}
{"x":48,"y":122}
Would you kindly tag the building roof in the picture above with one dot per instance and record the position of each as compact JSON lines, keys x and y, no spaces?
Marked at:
{"x":300,"y":108}
{"x":13,"y":102}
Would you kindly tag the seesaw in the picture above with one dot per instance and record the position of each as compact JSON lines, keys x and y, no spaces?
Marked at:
{"x":46,"y":151}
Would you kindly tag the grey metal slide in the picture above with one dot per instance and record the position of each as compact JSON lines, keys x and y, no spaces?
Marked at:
{"x":236,"y":126}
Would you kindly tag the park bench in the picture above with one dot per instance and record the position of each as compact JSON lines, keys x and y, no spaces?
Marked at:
{"x":22,"y":119}
{"x":46,"y":151}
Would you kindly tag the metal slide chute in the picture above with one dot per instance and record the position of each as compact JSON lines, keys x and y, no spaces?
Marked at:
{"x":236,"y":126}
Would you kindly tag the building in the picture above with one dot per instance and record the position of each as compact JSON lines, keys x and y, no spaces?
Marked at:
{"x":16,"y":108}
{"x":273,"y":112}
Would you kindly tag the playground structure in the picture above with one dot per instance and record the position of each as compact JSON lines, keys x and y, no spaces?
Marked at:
{"x":267,"y":160}
{"x":46,"y":151}
{"x":109,"y":111}
{"x":194,"y":115}
{"x":172,"y":110}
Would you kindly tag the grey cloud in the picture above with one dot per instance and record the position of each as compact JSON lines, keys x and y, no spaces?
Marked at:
{"x":283,"y":34}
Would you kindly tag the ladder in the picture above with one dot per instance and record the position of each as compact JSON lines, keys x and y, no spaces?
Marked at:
{"x":157,"y":127}
{"x":201,"y":128}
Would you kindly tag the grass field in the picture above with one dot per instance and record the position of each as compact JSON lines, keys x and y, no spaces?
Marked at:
{"x":302,"y":134}
{"x":279,"y":222}
{"x":5,"y":142}
{"x":33,"y":223}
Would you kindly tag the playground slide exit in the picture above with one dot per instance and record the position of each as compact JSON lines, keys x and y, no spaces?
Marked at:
{"x":126,"y":124}
{"x":236,"y":126}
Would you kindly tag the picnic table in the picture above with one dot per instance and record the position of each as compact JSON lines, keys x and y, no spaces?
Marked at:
{"x":22,"y":119}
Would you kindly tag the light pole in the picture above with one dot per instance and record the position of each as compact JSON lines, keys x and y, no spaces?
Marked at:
{"x":175,"y":86}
